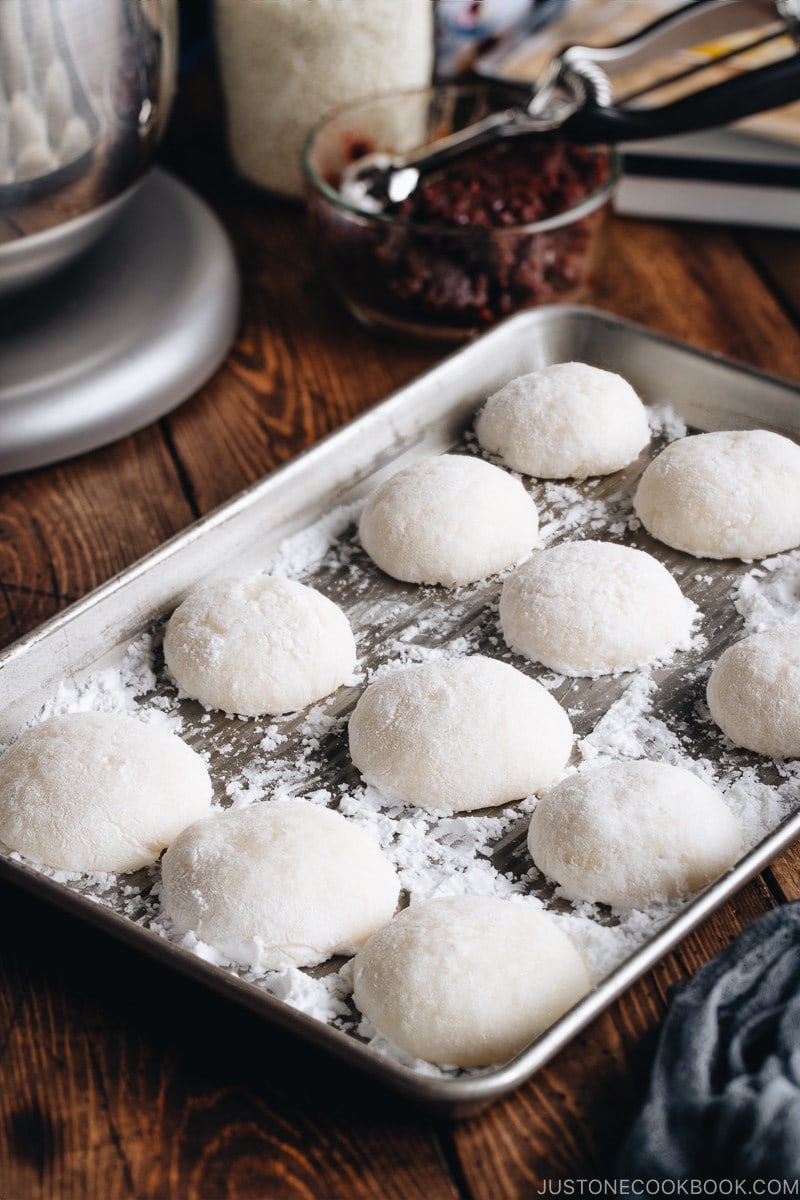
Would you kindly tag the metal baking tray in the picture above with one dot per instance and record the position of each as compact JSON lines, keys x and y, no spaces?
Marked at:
{"x":432,"y":415}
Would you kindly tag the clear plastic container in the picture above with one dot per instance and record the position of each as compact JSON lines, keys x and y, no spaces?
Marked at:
{"x":285,"y":63}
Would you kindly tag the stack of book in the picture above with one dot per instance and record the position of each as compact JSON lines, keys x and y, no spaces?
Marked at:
{"x":726,"y":175}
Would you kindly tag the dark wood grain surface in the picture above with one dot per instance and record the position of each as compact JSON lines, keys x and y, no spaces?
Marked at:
{"x":118,"y":1080}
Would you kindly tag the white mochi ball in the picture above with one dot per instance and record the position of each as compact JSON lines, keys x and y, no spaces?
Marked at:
{"x":754,"y":692}
{"x":633,"y":834}
{"x":467,"y":980}
{"x":96,"y":791}
{"x":281,"y":883}
{"x":568,"y":420}
{"x":76,"y":139}
{"x":594,"y":608}
{"x":459,"y":735}
{"x":724,"y":495}
{"x":450,"y":520}
{"x":34,"y":160}
{"x":258,"y":644}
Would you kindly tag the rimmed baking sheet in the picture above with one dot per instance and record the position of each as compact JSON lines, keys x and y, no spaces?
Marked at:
{"x":104,"y":652}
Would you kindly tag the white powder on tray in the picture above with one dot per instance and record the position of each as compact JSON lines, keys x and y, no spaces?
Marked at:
{"x":769,"y":594}
{"x":658,"y":713}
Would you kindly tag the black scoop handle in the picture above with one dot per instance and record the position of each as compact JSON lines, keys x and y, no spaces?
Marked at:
{"x":752,"y":92}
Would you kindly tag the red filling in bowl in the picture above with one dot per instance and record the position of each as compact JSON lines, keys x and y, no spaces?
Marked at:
{"x":508,"y":226}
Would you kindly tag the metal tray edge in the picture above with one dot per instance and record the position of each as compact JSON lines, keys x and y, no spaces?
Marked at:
{"x":455,"y":1097}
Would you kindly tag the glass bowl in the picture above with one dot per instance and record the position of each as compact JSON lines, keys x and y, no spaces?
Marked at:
{"x":513,"y":225}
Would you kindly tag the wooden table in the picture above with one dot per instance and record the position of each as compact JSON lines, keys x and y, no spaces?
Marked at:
{"x":118,"y":1079}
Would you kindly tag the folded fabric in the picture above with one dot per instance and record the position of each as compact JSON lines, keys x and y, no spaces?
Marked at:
{"x":724,"y":1093}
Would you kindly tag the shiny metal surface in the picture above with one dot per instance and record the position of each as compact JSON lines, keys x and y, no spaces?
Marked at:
{"x":27,"y":261}
{"x":85,"y":92}
{"x":429,"y":416}
{"x":123,"y":335}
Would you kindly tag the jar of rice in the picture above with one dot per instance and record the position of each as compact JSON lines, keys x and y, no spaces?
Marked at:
{"x":285,"y":63}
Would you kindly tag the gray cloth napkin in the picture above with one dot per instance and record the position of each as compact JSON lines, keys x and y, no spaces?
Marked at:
{"x":724,"y":1093}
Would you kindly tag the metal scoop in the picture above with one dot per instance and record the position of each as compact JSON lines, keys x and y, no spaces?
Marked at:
{"x":576,"y":95}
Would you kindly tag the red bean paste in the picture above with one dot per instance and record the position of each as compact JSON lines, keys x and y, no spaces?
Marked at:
{"x":455,"y":255}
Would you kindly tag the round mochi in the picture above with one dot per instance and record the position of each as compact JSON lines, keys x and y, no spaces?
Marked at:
{"x":459,"y":735}
{"x":754,"y":692}
{"x":467,"y":980}
{"x":633,"y":834}
{"x":95,"y":791}
{"x":256,"y":645}
{"x":278,"y":884}
{"x":450,"y":520}
{"x":724,"y":495}
{"x":593,"y":608}
{"x":568,"y":420}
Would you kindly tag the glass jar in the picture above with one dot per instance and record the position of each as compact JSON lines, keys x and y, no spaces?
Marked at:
{"x":284,"y":64}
